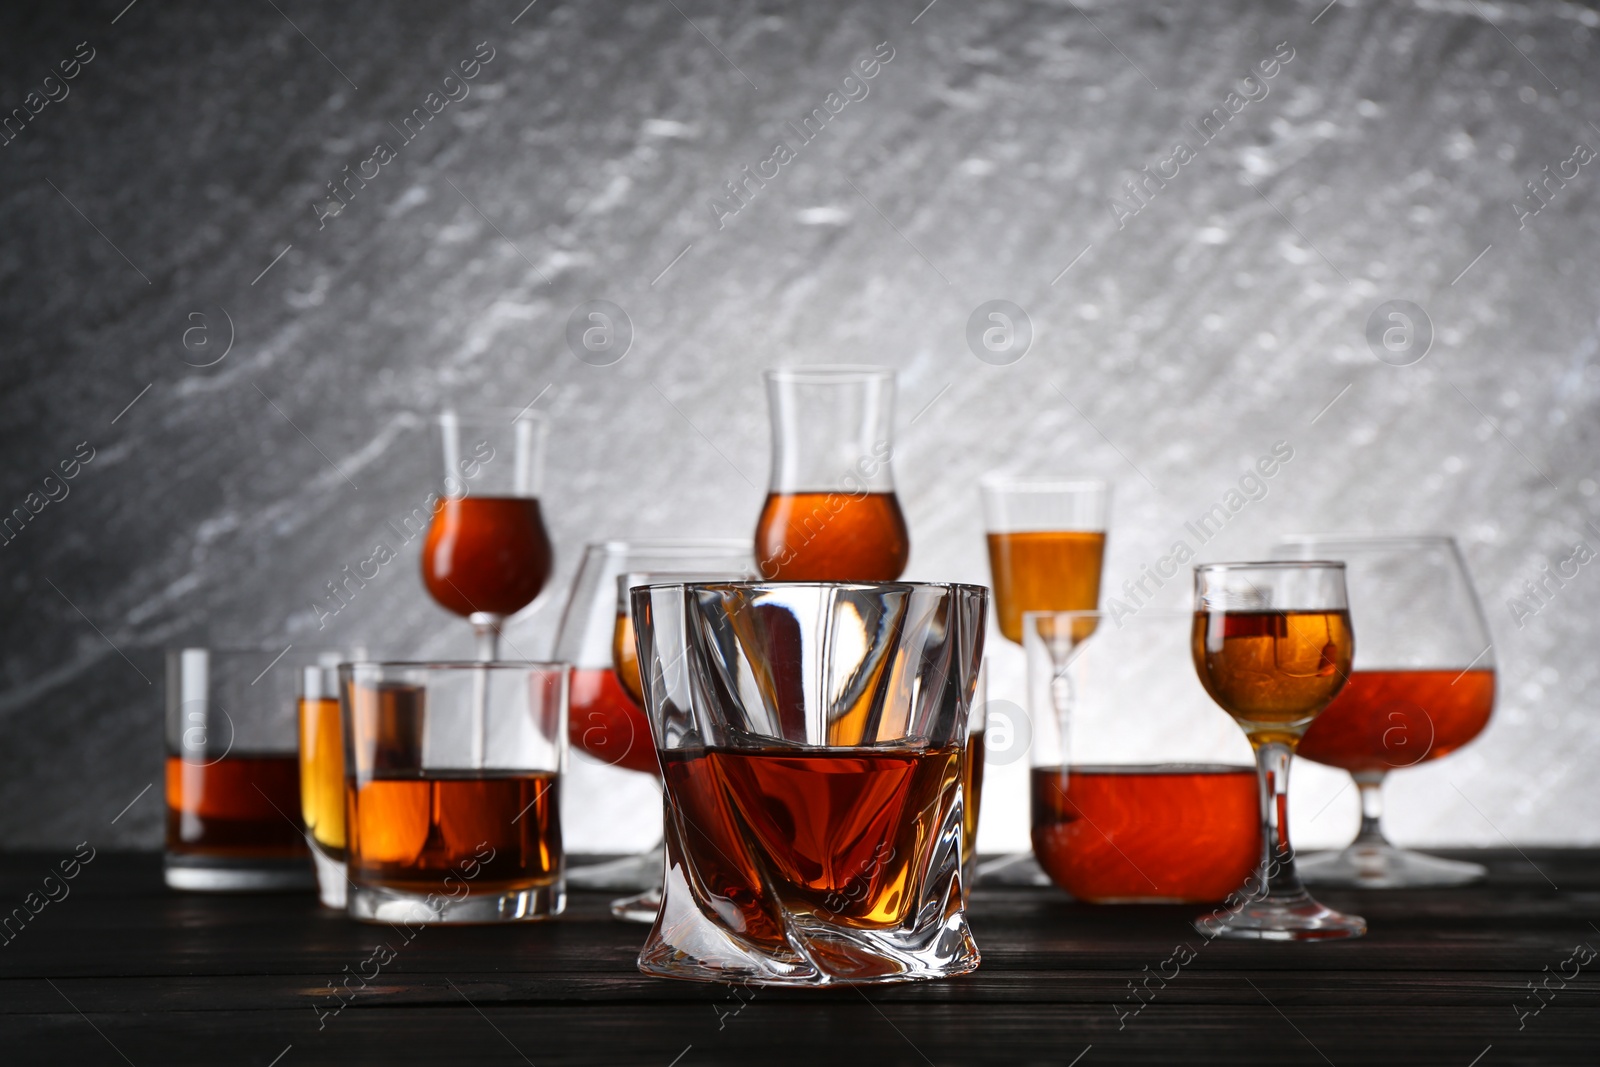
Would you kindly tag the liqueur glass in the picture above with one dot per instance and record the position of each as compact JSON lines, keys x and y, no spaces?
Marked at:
{"x":811,"y":738}
{"x":322,"y":774}
{"x":831,"y":513}
{"x":487,"y":554}
{"x":1422,"y":686}
{"x":1047,"y":542}
{"x":440,"y":828}
{"x":1272,"y":645}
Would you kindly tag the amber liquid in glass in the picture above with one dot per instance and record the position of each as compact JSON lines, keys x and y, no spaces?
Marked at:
{"x":1044,"y":571}
{"x":971,"y":794}
{"x":322,"y":774}
{"x":832,"y":537}
{"x":486,"y":553}
{"x":495,"y":831}
{"x":841,"y":836}
{"x":604,"y":721}
{"x":625,"y":657}
{"x":1273,"y":671}
{"x":1399,"y":718}
{"x":1170,"y":832}
{"x":241,"y":806}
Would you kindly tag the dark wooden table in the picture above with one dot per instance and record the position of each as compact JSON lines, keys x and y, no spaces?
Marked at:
{"x":122,"y":970}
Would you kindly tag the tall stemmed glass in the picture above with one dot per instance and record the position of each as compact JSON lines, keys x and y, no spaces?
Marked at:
{"x":1423,"y":685}
{"x":487,"y":554}
{"x":1272,"y":644}
{"x":606,"y":722}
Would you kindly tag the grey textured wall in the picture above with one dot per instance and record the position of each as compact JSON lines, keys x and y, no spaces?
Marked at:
{"x":1175,"y":338}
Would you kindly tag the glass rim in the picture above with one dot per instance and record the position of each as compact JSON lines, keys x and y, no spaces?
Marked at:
{"x":252,"y":650}
{"x":488,"y":416}
{"x":830,"y":373}
{"x":1369,"y":539}
{"x":762,"y":583}
{"x":553,"y":666}
{"x":669,"y":544}
{"x":1040,"y":483}
{"x":1272,"y":565}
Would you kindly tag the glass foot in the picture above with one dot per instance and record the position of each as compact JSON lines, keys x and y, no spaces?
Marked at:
{"x":1382,"y":866}
{"x":629,"y":873}
{"x":639,"y":909}
{"x":1296,"y":918}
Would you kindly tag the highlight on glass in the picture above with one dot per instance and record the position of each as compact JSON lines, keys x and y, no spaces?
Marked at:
{"x":1141,"y":790}
{"x":831,"y":512}
{"x":444,"y":823}
{"x":811,"y":735}
{"x":1272,"y":645}
{"x":1422,"y":686}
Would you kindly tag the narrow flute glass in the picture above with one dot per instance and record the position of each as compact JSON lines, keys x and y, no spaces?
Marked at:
{"x":1272,"y":645}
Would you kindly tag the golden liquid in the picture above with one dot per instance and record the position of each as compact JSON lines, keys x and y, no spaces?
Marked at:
{"x":971,"y":793}
{"x":625,"y":657}
{"x":1044,"y":570}
{"x":322,"y":774}
{"x":1273,"y":671}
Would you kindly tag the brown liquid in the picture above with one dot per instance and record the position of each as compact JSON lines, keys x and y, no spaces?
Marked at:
{"x":322,"y":774}
{"x":832,"y":537}
{"x":1273,"y":671}
{"x":1044,"y":571}
{"x":971,"y":794}
{"x":1388,"y":719}
{"x":241,"y":806}
{"x":1163,"y":832}
{"x":486,"y":553}
{"x":496,"y":831}
{"x":604,"y":721}
{"x":625,"y":657}
{"x":843,"y":837}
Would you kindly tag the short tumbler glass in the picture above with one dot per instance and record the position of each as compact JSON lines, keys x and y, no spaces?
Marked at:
{"x":811,"y":738}
{"x":453,"y":784}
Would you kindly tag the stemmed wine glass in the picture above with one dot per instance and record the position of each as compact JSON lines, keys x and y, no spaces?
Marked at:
{"x":606,"y":721}
{"x":1423,"y":685}
{"x":487,"y":554}
{"x":1272,"y":644}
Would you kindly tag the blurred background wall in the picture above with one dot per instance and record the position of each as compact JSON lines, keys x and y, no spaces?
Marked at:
{"x":176,"y":198}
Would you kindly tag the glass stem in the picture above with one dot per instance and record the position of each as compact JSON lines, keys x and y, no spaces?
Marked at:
{"x":1370,"y":783}
{"x":1279,"y":882}
{"x":486,"y":629}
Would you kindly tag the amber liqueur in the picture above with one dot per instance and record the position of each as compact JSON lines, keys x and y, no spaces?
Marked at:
{"x":1044,"y":570}
{"x":486,"y":554}
{"x":1273,"y":671}
{"x":243,"y":806}
{"x":841,"y":834}
{"x":1171,"y":832}
{"x":832,"y":537}
{"x":322,"y":773}
{"x":1386,"y":719}
{"x":413,"y":831}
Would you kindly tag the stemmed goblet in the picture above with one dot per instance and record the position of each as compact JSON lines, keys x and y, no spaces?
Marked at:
{"x":1272,"y":644}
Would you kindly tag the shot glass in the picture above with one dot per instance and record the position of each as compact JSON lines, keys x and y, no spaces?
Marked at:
{"x":811,"y":737}
{"x":232,"y":774}
{"x":453,"y":788}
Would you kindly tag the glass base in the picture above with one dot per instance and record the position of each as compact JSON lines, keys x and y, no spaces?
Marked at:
{"x":1380,"y":865}
{"x":379,"y":905}
{"x":1294,"y":918}
{"x":331,"y":880}
{"x":217,"y":874}
{"x":627,"y":874}
{"x":640,"y":909}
